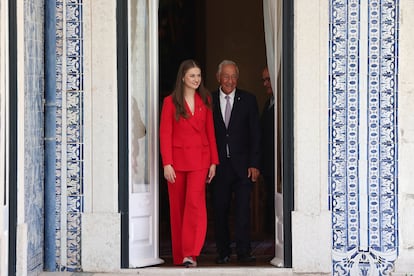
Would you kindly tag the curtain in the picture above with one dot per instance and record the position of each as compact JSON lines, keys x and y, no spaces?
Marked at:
{"x":272,"y":17}
{"x":272,"y":14}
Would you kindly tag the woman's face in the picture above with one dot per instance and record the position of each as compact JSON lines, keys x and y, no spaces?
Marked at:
{"x":192,"y":78}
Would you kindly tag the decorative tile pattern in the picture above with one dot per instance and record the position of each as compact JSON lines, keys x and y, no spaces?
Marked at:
{"x":69,"y":132}
{"x":382,"y":125}
{"x":363,"y":177}
{"x":34,"y":133}
{"x":59,"y":89}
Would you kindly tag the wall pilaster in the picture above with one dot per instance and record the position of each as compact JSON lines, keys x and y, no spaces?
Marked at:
{"x":101,"y":221}
{"x":311,"y":228}
{"x":405,"y":262}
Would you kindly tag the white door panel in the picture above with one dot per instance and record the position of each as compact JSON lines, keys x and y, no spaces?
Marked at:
{"x":279,"y":252}
{"x":143,"y":132}
{"x":142,"y":234}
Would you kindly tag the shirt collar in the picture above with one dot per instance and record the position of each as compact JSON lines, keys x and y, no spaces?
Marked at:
{"x":231,"y":95}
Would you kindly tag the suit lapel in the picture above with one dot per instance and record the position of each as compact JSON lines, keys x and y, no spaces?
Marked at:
{"x":198,"y":106}
{"x":217,"y":108}
{"x":236,"y":106}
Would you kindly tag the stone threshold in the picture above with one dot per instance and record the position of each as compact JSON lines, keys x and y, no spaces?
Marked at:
{"x":202,"y":271}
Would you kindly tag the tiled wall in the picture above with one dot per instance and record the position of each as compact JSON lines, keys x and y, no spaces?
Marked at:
{"x":34,"y":130}
{"x":363,"y":150}
{"x":69,"y":134}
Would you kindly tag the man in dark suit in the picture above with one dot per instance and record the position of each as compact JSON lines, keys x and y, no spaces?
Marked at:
{"x":237,"y":128}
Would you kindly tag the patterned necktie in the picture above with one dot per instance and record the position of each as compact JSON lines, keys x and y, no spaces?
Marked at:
{"x":227,"y":111}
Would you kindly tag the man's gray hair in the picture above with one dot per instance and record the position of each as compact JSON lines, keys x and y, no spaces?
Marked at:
{"x":227,"y":62}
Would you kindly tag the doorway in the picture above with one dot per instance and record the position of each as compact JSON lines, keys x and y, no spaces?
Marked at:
{"x":205,"y":31}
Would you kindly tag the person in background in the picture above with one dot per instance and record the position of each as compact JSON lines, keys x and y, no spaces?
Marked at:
{"x":189,"y":155}
{"x":237,"y":126}
{"x":268,"y":149}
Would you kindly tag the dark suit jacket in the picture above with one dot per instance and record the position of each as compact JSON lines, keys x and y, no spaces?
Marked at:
{"x":243,"y":133}
{"x":268,"y":141}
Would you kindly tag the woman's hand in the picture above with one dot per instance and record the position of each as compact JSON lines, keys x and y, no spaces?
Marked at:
{"x":211,"y":173}
{"x":169,"y":173}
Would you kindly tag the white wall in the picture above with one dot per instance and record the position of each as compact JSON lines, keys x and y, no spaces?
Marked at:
{"x":405,"y":261}
{"x":311,"y":228}
{"x":311,"y":219}
{"x":101,"y":221}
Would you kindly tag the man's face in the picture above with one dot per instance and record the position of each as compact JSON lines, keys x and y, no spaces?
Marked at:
{"x":228,"y":78}
{"x":266,"y":81}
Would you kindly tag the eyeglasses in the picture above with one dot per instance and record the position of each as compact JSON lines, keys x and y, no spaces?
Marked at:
{"x":265,"y":79}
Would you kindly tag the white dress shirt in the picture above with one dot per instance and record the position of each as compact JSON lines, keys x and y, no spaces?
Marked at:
{"x":223,"y":101}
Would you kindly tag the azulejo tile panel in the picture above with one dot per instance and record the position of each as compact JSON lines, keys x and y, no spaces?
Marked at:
{"x":34,"y":133}
{"x":69,"y":132}
{"x":363,"y":135}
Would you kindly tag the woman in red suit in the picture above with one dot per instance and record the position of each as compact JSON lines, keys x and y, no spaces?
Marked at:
{"x":189,"y":156}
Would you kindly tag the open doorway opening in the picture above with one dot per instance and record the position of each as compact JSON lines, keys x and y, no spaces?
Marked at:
{"x":210,"y":31}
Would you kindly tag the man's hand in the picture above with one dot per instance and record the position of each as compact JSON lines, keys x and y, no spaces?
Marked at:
{"x":253,"y":174}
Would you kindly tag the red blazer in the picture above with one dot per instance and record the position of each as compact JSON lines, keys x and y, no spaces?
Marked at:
{"x":188,"y":144}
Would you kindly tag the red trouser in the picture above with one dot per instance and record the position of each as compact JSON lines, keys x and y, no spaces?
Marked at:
{"x":188,"y":214}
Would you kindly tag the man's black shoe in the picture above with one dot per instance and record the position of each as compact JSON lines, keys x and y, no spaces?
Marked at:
{"x":246,"y":258}
{"x":222,"y":259}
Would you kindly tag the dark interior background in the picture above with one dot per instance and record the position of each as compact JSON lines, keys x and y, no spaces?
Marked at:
{"x":210,"y":31}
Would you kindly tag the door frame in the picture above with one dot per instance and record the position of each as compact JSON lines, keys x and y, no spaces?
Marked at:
{"x":287,"y":127}
{"x":12,"y":137}
{"x":288,"y":163}
{"x":4,"y":144}
{"x":123,"y":163}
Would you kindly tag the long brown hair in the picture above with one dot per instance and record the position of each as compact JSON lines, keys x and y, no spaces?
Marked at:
{"x":178,"y":93}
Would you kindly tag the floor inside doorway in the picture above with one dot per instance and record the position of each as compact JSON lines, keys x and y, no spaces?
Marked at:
{"x":262,"y":234}
{"x":263,"y":250}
